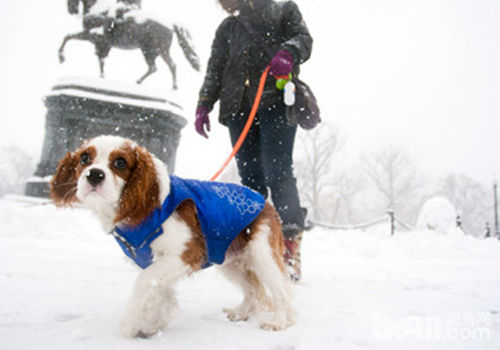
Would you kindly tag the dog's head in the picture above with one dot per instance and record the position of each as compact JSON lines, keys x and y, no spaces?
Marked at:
{"x":112,"y":175}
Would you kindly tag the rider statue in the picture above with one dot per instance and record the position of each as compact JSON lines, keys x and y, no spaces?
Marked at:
{"x":122,"y":25}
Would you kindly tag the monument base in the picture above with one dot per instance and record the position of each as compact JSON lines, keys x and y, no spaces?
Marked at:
{"x":80,"y":109}
{"x":37,"y":187}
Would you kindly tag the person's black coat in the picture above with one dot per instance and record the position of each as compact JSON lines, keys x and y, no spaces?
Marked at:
{"x":237,"y":60}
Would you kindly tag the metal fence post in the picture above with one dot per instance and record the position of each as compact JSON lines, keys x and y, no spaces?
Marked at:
{"x":495,"y":194}
{"x":393,"y":223}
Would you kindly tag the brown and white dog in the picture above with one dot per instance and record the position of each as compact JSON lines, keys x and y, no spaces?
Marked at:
{"x":122,"y":183}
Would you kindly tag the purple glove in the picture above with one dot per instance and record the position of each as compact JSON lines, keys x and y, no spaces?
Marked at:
{"x":202,"y":120}
{"x":281,"y":64}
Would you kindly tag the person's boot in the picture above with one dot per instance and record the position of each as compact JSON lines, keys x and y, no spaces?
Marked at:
{"x":292,"y":256}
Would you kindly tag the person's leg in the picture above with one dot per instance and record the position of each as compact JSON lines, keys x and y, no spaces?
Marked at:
{"x":248,"y":158}
{"x":277,"y":140}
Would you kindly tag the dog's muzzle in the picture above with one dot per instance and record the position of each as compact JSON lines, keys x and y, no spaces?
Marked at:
{"x":95,"y":177}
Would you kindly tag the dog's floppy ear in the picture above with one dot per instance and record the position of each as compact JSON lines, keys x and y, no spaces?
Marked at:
{"x":140,"y":195}
{"x":63,"y":185}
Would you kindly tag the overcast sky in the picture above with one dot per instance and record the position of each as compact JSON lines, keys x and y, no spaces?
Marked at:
{"x":422,"y":75}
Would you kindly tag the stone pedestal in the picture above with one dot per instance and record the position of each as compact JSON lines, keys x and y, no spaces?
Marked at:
{"x":78,"y":110}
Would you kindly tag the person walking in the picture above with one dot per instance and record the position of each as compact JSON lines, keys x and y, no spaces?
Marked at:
{"x":239,"y":55}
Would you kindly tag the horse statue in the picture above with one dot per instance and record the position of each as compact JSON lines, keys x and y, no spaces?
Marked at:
{"x":122,"y":30}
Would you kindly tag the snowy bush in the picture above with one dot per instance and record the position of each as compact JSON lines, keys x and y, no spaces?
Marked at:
{"x":437,"y":214}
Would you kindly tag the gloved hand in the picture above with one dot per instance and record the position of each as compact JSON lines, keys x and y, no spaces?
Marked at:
{"x":202,"y":121}
{"x":281,"y":64}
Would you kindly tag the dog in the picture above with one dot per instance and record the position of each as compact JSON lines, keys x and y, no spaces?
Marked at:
{"x":126,"y":187}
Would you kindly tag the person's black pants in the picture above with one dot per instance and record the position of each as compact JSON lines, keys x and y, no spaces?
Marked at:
{"x":265,"y":161}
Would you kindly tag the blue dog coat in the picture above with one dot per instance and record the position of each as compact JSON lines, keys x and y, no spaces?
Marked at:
{"x":223,"y":210}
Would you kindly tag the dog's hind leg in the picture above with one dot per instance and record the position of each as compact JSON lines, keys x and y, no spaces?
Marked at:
{"x":272,"y":276}
{"x":255,"y":296}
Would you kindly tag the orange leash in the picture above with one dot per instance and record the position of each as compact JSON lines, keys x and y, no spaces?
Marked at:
{"x":251,"y":117}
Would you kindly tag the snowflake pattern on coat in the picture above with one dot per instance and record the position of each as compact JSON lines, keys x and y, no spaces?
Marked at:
{"x":237,"y":198}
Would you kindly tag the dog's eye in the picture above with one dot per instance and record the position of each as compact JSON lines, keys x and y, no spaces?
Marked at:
{"x":120,"y":163}
{"x":84,"y":158}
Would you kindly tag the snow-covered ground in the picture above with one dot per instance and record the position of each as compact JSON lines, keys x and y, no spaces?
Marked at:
{"x":64,"y":284}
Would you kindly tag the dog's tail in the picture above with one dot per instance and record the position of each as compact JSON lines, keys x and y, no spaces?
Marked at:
{"x":187,"y":46}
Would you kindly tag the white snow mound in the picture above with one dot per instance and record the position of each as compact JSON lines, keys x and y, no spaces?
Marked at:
{"x":438,"y":214}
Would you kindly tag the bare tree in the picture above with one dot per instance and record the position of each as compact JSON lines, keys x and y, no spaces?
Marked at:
{"x":472,"y":200}
{"x":318,"y":148}
{"x":347,"y":185}
{"x":394,"y":175}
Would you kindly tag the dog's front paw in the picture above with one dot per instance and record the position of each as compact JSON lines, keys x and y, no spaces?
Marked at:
{"x":131,"y":330}
{"x":128,"y":329}
{"x":147,"y":316}
{"x":274,"y":326}
{"x":236,"y":314}
{"x":279,"y":322}
{"x":133,"y":326}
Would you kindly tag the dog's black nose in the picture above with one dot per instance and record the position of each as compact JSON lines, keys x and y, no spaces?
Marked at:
{"x":95,"y":176}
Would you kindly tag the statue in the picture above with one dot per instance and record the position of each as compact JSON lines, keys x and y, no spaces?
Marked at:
{"x":79,"y":108}
{"x":120,"y":27}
